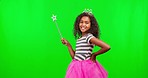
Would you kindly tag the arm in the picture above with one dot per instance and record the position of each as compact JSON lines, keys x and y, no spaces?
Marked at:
{"x":104,"y":47}
{"x":71,"y":51}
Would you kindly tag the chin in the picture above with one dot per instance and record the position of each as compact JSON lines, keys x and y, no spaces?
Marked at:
{"x":83,"y":31}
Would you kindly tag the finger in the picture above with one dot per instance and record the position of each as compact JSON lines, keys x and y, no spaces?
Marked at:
{"x":65,"y":41}
{"x":62,"y":39}
{"x":93,"y":60}
{"x":62,"y":42}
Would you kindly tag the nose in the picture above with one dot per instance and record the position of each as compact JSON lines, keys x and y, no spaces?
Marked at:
{"x":83,"y":24}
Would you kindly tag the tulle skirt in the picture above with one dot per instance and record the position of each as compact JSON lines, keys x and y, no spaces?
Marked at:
{"x":85,"y":69}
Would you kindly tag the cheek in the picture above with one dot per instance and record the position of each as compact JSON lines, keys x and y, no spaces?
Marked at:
{"x":88,"y":25}
{"x":79,"y":24}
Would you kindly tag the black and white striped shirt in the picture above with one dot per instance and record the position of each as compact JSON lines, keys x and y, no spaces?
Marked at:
{"x":84,"y":47}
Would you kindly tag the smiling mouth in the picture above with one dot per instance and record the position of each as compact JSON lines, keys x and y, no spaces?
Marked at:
{"x":83,"y":28}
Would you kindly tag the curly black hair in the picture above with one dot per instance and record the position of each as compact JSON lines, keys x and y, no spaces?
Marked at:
{"x":94,"y":28}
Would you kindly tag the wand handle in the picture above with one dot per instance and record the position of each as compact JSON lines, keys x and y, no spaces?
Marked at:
{"x":58,"y":29}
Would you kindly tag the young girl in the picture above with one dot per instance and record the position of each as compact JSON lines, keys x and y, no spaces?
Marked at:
{"x":84,"y":64}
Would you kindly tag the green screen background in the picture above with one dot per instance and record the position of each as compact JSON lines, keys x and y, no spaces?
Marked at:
{"x":30,"y":46}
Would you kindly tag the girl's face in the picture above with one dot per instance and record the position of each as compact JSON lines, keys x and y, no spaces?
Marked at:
{"x":84,"y":24}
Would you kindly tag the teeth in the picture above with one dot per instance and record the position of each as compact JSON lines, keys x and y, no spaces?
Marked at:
{"x":83,"y":28}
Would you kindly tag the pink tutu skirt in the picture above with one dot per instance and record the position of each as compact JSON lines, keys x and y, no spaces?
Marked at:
{"x":85,"y":69}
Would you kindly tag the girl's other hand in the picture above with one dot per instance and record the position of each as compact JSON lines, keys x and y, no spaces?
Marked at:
{"x":65,"y":42}
{"x":93,"y":57}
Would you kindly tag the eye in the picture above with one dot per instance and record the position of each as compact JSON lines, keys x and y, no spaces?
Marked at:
{"x":81,"y":21}
{"x":87,"y":22}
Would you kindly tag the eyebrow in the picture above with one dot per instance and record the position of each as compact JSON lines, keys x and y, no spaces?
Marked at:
{"x":84,"y":21}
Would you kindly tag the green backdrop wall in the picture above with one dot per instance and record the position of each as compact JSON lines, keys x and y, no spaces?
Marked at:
{"x":30,"y":46}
